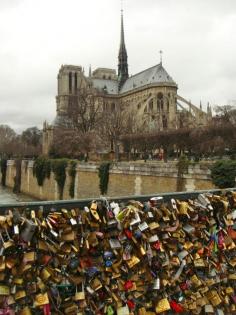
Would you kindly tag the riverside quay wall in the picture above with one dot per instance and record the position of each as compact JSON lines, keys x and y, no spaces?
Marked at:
{"x":125,"y":178}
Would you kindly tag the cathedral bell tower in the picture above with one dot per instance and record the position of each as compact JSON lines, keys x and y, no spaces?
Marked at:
{"x":123,"y":73}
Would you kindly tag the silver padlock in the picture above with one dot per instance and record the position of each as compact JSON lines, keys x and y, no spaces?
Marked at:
{"x":28,"y":231}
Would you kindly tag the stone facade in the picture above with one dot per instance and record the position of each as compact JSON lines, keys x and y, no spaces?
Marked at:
{"x":151,"y":96}
{"x":125,"y":179}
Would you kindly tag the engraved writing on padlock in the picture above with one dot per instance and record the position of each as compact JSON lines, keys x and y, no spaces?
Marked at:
{"x":28,"y":231}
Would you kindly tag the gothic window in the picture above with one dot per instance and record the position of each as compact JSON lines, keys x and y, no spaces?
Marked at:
{"x":75,"y":81}
{"x":151,"y":105}
{"x":104,"y":77}
{"x":70,"y":82}
{"x":164,"y":122}
{"x":158,"y":106}
{"x":113,"y":106}
{"x":160,"y":101}
{"x":139,"y":106}
{"x":167,"y":106}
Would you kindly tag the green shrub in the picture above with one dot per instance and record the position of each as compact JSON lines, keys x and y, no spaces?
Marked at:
{"x":42,"y":169}
{"x":223,"y":173}
{"x":103,"y":173}
{"x":3,"y":171}
{"x":182,"y":168}
{"x":59,"y":170}
{"x":72,"y":174}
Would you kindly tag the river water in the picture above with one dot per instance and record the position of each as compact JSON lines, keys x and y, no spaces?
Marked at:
{"x":7,"y":196}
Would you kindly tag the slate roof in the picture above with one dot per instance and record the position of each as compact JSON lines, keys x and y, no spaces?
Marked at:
{"x":110,"y":85}
{"x":154,"y":75}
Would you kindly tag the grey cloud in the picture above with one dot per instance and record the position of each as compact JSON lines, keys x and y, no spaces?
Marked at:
{"x":7,"y":4}
{"x":195,"y":35}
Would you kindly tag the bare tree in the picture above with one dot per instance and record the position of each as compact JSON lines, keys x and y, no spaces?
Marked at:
{"x":7,"y":136}
{"x":225,"y":114}
{"x":32,"y":136}
{"x":114,"y":123}
{"x":72,"y":143}
{"x":85,"y":109}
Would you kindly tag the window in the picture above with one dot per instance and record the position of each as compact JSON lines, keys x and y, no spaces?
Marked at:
{"x":70,"y":82}
{"x":113,"y":106}
{"x":160,"y":102}
{"x":167,"y":106}
{"x":75,"y":81}
{"x":151,"y":105}
{"x":164,"y":122}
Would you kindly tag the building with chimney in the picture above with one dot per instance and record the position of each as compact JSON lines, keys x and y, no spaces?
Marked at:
{"x":151,"y":95}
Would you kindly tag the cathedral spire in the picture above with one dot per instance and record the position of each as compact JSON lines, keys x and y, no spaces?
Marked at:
{"x":123,"y":73}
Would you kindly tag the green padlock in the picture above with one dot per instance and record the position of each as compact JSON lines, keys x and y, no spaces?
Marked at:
{"x":110,"y":310}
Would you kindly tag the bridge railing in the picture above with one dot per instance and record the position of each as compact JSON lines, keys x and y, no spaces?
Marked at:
{"x":80,"y":203}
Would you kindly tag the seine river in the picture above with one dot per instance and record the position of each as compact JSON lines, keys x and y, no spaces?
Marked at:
{"x":7,"y":196}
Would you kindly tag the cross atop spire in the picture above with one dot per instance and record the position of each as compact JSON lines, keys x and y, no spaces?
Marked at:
{"x":161,"y":52}
{"x":122,"y":57}
{"x":121,"y":5}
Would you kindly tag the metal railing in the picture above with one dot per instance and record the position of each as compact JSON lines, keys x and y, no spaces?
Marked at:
{"x":80,"y":203}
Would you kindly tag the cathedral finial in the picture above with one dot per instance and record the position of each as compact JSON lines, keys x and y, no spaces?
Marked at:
{"x":161,"y":52}
{"x":90,"y":71}
{"x":123,"y":73}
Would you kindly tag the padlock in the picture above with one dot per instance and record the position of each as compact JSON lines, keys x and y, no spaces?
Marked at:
{"x":4,"y":290}
{"x":162,"y":306}
{"x":29,"y":257}
{"x":25,"y":311}
{"x":80,"y":296}
{"x":20,"y":295}
{"x":124,"y":310}
{"x":28,"y":230}
{"x":41,"y":299}
{"x":9,"y":243}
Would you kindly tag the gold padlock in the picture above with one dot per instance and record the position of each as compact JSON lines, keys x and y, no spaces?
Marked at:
{"x":29,"y":257}
{"x":213,"y":297}
{"x":20,"y":294}
{"x":41,"y":299}
{"x":162,"y":306}
{"x":79,"y":296}
{"x":133,"y":261}
{"x":45,"y":274}
{"x":25,"y":311}
{"x":4,"y":290}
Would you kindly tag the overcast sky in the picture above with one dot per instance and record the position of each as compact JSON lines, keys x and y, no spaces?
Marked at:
{"x":37,"y":36}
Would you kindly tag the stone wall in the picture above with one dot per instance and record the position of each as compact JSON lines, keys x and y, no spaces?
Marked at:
{"x":125,"y":179}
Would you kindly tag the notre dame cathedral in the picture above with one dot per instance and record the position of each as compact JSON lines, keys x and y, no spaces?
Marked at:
{"x":151,"y":95}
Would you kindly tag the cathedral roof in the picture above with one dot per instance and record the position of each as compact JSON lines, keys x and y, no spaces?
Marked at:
{"x":155,"y":75}
{"x":109,"y":86}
